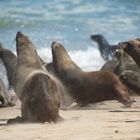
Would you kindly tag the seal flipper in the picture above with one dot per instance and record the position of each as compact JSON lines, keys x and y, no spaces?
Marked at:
{"x":19,"y":120}
{"x":16,"y":120}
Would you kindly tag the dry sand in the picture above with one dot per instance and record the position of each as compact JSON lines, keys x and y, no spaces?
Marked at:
{"x":104,"y":121}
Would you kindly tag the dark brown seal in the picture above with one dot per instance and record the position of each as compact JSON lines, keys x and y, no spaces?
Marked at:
{"x":66,"y":99}
{"x":132,"y":80}
{"x":37,"y":89}
{"x":87,"y":87}
{"x":10,"y":62}
{"x":106,"y":50}
{"x":132,"y":47}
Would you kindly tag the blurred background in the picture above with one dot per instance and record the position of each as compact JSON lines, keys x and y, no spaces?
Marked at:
{"x":70,"y":22}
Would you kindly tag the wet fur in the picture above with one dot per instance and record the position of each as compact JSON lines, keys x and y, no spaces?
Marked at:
{"x":106,"y":50}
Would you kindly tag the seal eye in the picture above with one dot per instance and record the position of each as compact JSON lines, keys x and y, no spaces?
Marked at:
{"x":123,"y":77}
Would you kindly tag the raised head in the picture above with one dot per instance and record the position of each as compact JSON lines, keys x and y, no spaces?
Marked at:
{"x":61,"y":59}
{"x":26,"y":51}
{"x":97,"y":37}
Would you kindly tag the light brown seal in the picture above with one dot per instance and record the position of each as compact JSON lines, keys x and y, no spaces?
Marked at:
{"x":10,"y":62}
{"x":37,"y":89}
{"x":87,"y":87}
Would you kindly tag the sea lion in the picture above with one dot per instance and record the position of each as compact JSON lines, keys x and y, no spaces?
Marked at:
{"x":132,"y":80}
{"x":66,"y":99}
{"x":110,"y":65}
{"x":38,"y":91}
{"x":132,"y":47}
{"x":120,"y":63}
{"x":106,"y":50}
{"x":125,"y":62}
{"x":87,"y":87}
{"x":49,"y":66}
{"x":10,"y":62}
{"x":5,"y":99}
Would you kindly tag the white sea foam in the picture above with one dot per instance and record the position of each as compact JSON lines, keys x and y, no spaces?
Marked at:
{"x":88,"y":60}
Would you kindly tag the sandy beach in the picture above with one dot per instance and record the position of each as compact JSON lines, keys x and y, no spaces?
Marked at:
{"x":104,"y":121}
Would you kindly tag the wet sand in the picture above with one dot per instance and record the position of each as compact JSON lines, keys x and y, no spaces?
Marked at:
{"x":103,"y":121}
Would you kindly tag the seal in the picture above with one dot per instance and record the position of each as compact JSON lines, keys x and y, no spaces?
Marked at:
{"x":3,"y":74}
{"x":132,"y":47}
{"x":5,"y":99}
{"x":48,"y":66}
{"x":110,"y":65}
{"x":106,"y":50}
{"x":120,"y":63}
{"x":87,"y":87}
{"x":132,"y":80}
{"x":36,"y":88}
{"x":10,"y":61}
{"x":66,"y":99}
{"x":125,"y":62}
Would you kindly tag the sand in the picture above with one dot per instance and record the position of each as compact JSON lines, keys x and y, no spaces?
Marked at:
{"x":104,"y":121}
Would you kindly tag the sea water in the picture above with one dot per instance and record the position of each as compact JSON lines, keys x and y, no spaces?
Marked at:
{"x":70,"y":22}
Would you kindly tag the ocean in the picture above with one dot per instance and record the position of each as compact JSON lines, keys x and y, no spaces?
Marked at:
{"x":70,"y":22}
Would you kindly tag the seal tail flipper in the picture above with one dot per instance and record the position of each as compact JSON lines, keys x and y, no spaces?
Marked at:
{"x":123,"y":96}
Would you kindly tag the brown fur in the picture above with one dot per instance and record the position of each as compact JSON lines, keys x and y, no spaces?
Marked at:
{"x":132,"y":47}
{"x":125,"y":62}
{"x":132,"y":80}
{"x":36,"y":88}
{"x":110,"y":65}
{"x":87,"y":87}
{"x":121,"y":63}
{"x":5,"y":99}
{"x":66,"y":99}
{"x":10,"y":62}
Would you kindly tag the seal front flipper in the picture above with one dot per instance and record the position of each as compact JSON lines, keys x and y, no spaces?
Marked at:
{"x":16,"y":120}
